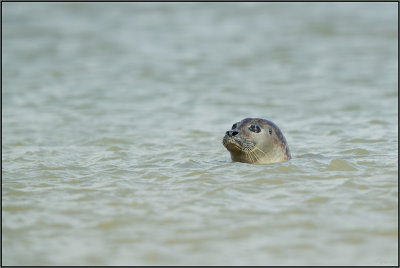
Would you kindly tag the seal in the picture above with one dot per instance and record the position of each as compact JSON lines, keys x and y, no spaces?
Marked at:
{"x":256,"y":141}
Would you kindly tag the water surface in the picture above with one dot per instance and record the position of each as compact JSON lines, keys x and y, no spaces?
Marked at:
{"x":113,"y":116}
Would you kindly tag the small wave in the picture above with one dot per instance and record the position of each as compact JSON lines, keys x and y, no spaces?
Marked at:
{"x":267,"y":181}
{"x":378,"y":122}
{"x":358,"y":140}
{"x":356,"y":151}
{"x":312,"y":156}
{"x":340,"y":165}
{"x":352,"y":184}
{"x":107,"y":141}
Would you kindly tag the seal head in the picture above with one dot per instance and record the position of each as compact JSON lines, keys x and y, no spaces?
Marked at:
{"x":256,"y":141}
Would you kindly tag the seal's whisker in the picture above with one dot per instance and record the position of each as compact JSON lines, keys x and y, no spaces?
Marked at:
{"x":251,"y":152}
{"x":257,"y":157}
{"x":247,"y":151}
{"x":249,"y":155}
{"x":255,"y":147}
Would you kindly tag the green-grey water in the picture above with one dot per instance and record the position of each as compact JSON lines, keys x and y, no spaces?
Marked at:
{"x":113,"y":116}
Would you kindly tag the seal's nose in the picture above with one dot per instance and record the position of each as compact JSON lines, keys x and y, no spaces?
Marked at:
{"x":231,"y":133}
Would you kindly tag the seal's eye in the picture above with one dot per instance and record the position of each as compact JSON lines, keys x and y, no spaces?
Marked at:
{"x":234,"y":126}
{"x":270,"y":131}
{"x":255,"y":129}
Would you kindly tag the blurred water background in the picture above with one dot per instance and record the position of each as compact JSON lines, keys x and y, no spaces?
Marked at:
{"x":113,"y":116}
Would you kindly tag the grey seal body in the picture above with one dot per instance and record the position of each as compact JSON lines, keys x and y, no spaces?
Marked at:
{"x":256,"y":141}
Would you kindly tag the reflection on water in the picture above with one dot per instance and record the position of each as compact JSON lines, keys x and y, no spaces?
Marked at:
{"x":112,"y":122}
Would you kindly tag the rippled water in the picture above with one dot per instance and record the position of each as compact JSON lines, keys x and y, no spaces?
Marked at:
{"x":113,"y":117}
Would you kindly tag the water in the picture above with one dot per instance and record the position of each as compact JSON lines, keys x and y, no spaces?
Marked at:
{"x":113,"y":116}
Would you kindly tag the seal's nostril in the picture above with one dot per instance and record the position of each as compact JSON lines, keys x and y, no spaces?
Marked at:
{"x":231,"y":133}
